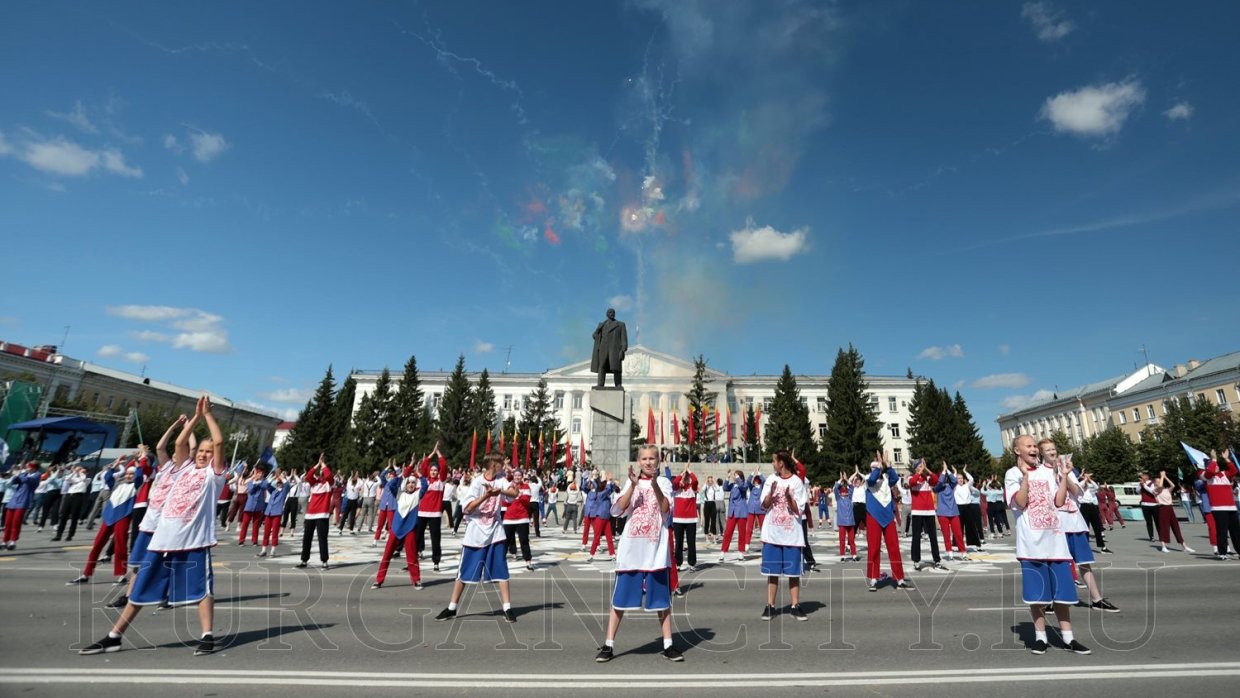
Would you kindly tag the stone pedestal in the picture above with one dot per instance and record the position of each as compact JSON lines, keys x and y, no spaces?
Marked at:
{"x":610,"y":435}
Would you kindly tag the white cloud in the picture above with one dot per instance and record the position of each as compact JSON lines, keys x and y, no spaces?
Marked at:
{"x":59,"y":156}
{"x":621,"y":302}
{"x":199,"y":330}
{"x":182,"y":176}
{"x":750,"y":244}
{"x":297,"y":396}
{"x":1048,"y":23}
{"x":1002,"y":380}
{"x":481,"y":347}
{"x":171,"y":143}
{"x":1182,"y":111}
{"x":137,"y":357}
{"x":957,"y":385}
{"x":207,"y":146}
{"x":114,"y":162}
{"x":935,"y":353}
{"x":5,"y":148}
{"x":287,"y":414}
{"x":112,"y":351}
{"x":77,"y":118}
{"x":1005,"y":349}
{"x":109,"y":351}
{"x":1094,"y":110}
{"x":1016,"y":402}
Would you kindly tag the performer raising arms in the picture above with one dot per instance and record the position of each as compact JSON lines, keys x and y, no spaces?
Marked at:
{"x":643,"y":564}
{"x":406,"y":492}
{"x":880,"y":523}
{"x":318,"y":511}
{"x":483,"y":551}
{"x":783,"y":497}
{"x":178,"y":568}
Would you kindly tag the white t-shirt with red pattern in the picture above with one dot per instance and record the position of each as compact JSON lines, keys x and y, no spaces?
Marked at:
{"x":187,"y":521}
{"x":165,"y":478}
{"x":1039,"y":534}
{"x":482,"y":525}
{"x":782,"y":525}
{"x":644,"y":544}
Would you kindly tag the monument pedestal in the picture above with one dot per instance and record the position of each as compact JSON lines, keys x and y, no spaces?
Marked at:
{"x":610,"y":431}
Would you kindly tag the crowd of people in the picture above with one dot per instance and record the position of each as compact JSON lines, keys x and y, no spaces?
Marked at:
{"x":159,"y":517}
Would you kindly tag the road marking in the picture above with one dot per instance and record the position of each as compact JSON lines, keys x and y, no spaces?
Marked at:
{"x":100,"y":675}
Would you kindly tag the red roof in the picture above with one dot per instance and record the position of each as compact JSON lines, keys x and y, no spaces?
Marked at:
{"x":285,"y":426}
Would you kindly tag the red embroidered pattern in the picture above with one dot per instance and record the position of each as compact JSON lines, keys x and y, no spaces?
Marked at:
{"x":163,"y":484}
{"x":1041,"y":507}
{"x":781,"y":514}
{"x":186,"y":495}
{"x":646,"y":519}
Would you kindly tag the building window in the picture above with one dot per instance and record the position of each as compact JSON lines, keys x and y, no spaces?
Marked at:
{"x":435,"y":402}
{"x":508,"y":402}
{"x":576,"y":425}
{"x":1201,"y":397}
{"x":891,"y":404}
{"x":874,"y":401}
{"x":1140,"y":434}
{"x":577,"y":401}
{"x":894,"y":427}
{"x":110,"y":400}
{"x":897,"y":455}
{"x":766,"y":403}
{"x":95,"y":400}
{"x":822,"y":405}
{"x":1221,"y":395}
{"x":822,"y":432}
{"x":1136,"y":414}
{"x":1149,"y":409}
{"x":1164,"y":406}
{"x":804,"y":402}
{"x":559,"y":400}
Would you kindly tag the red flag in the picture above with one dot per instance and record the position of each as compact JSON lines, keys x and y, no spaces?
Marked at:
{"x":568,"y":453}
{"x":501,"y":441}
{"x":649,"y":425}
{"x":675,"y":428}
{"x":757,"y":426}
{"x":729,"y":427}
{"x":555,"y":444}
{"x":718,"y":417}
{"x":540,"y":449}
{"x":488,"y":447}
{"x":527,"y":450}
{"x":516,"y":460}
{"x":692,"y":425}
{"x":473,"y":449}
{"x":745,"y":427}
{"x":661,"y":439}
{"x":581,"y":450}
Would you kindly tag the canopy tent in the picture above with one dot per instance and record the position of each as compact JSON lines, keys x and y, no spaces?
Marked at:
{"x":68,"y":426}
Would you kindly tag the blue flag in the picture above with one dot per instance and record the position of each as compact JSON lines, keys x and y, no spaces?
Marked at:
{"x":269,"y":456}
{"x":1198,"y":458}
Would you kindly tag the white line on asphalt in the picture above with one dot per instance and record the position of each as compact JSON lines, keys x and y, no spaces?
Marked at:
{"x":1001,"y":608}
{"x":97,"y":675}
{"x":631,"y":614}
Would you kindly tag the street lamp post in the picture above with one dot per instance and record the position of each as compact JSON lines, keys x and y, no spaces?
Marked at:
{"x":237,"y":437}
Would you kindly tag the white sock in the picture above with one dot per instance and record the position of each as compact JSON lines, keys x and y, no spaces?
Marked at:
{"x":667,"y":643}
{"x":206,"y":635}
{"x":610,"y":643}
{"x":114,"y":635}
{"x":507,"y":607}
{"x":1067,"y":635}
{"x":1039,"y":635}
{"x":451,"y":605}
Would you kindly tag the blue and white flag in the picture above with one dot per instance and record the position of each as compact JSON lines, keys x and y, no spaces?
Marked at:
{"x":4,"y":452}
{"x":1198,"y":458}
{"x":269,"y":456}
{"x":238,"y":467}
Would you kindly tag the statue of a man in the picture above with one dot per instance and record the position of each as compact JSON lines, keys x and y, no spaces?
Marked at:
{"x":611,"y":341}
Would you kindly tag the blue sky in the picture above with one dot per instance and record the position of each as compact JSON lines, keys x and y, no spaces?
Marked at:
{"x":1006,"y":197}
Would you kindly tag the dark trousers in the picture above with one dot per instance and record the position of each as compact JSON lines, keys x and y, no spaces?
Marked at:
{"x":807,"y":553}
{"x":971,"y":518}
{"x":710,"y":518}
{"x":433,"y":523}
{"x":312,"y":528}
{"x":1226,"y":523}
{"x":70,"y":505}
{"x":518,"y":532}
{"x":998,"y":519}
{"x":349,"y":515}
{"x":1151,"y":519}
{"x":924,"y":524}
{"x":1167,"y":524}
{"x":292,"y":507}
{"x":1094,"y":519}
{"x":51,"y":506}
{"x":681,"y":531}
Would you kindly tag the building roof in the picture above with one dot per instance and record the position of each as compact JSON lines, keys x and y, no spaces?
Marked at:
{"x":1170,"y":384}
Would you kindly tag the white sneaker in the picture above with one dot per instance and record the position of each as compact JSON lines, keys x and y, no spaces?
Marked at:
{"x":722,"y":557}
{"x":1189,"y":550}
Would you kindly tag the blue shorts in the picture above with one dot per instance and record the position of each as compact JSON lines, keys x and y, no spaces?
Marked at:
{"x":180,"y":578}
{"x":1044,"y":581}
{"x":781,"y":560}
{"x":489,"y":564}
{"x":1078,"y":545}
{"x":139,"y":553}
{"x":632,"y":586}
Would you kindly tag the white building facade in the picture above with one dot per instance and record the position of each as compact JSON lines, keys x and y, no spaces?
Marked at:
{"x":657,"y":381}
